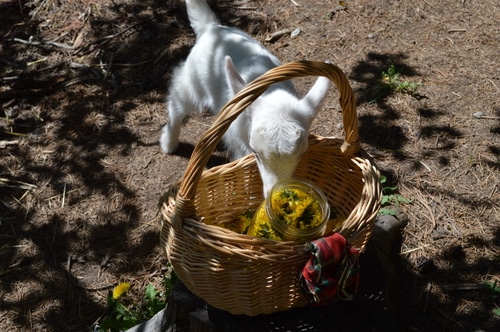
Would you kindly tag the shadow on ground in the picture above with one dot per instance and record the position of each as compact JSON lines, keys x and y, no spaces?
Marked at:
{"x":415,"y":302}
{"x":433,"y":297}
{"x":88,"y":128}
{"x":85,"y":98}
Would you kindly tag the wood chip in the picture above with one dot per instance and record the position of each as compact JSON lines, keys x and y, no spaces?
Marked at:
{"x":277,"y":35}
{"x":4,"y":144}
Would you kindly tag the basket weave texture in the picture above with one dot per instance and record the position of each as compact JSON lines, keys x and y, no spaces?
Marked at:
{"x":246,"y":275}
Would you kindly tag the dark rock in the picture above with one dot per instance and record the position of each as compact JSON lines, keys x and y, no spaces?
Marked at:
{"x":425,"y":265}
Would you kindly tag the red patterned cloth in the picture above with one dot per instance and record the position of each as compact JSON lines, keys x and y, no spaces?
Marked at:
{"x":332,"y":272}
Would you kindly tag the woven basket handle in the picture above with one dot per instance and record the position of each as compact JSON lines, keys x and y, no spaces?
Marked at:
{"x":208,"y":142}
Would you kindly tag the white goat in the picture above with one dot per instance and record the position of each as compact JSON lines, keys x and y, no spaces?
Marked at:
{"x":275,"y":127}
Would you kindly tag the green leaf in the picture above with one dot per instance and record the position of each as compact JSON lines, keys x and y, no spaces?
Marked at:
{"x":120,"y":309}
{"x":493,"y":288}
{"x":389,"y":190}
{"x":150,"y":292}
{"x":153,"y":302}
{"x":170,"y":282}
{"x":386,"y":211}
{"x":402,"y":200}
{"x":496,"y":312}
{"x":109,"y":324}
{"x":385,"y":200}
{"x":110,"y":300}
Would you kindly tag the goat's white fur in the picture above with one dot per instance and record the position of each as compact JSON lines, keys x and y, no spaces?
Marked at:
{"x":275,"y":127}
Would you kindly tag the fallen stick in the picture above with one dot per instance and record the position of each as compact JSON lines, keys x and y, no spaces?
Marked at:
{"x":480,"y":115}
{"x":464,"y":286}
{"x":30,"y":41}
{"x":277,"y":35}
{"x":16,"y":184}
{"x":4,"y":144}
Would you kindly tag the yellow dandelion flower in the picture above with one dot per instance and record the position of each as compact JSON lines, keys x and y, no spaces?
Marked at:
{"x":121,"y":289}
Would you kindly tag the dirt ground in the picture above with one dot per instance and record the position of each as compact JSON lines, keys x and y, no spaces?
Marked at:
{"x":82,"y":89}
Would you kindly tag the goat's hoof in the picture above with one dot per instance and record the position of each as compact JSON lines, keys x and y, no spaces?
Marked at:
{"x":168,"y":146}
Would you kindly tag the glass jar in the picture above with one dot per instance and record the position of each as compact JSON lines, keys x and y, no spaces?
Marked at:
{"x":294,"y":210}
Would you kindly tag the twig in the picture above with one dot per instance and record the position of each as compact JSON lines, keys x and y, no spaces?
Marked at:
{"x":56,"y":196}
{"x":105,"y":261}
{"x":31,"y":63}
{"x":8,"y":104}
{"x":59,"y":37}
{"x":108,"y":68}
{"x":80,"y":79}
{"x":464,"y":286}
{"x":37,"y":9}
{"x":493,"y":83}
{"x":133,"y":64}
{"x":63,"y":196}
{"x":17,"y":134}
{"x":101,"y":41}
{"x":23,"y":196}
{"x":9,"y":78}
{"x":68,"y":263}
{"x":145,"y":225}
{"x":30,"y":41}
{"x":480,"y":115}
{"x":423,"y":164}
{"x":277,"y":35}
{"x":14,"y":265}
{"x":414,"y":249}
{"x":427,"y":297}
{"x":16,"y":184}
{"x":4,"y":144}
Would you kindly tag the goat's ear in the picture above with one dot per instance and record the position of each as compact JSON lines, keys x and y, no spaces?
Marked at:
{"x":234,"y":78}
{"x":315,"y":97}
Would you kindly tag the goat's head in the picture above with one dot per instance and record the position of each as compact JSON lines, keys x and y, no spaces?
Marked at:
{"x":279,"y":127}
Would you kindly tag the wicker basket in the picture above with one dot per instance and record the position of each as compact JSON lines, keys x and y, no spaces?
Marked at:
{"x":246,"y":275}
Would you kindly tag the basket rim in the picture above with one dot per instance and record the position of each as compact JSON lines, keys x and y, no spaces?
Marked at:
{"x":357,"y":227}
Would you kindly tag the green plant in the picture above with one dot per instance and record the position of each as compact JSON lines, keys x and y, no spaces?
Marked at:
{"x":123,"y":313}
{"x":495,"y":293}
{"x":391,"y":79}
{"x":390,"y":82}
{"x":390,"y":197}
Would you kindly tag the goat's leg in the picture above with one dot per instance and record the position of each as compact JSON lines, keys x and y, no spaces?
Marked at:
{"x":178,"y":109}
